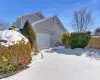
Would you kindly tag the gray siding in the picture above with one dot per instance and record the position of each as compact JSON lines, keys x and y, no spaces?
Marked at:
{"x":48,"y":26}
{"x":44,"y":25}
{"x":61,"y":26}
{"x":18,"y":22}
{"x":31,"y":18}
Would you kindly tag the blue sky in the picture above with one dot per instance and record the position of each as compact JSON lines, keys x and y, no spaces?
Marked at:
{"x":11,"y":9}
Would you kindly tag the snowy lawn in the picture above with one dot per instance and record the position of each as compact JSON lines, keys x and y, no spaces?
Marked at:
{"x":63,"y":64}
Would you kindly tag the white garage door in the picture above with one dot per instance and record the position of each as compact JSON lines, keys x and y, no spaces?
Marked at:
{"x":43,"y":40}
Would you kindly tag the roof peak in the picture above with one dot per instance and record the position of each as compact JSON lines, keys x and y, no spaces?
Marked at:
{"x":30,"y":14}
{"x":45,"y":19}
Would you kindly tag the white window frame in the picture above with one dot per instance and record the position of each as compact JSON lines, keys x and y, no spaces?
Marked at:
{"x":55,"y":19}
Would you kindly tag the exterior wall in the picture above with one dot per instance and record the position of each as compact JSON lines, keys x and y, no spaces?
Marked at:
{"x":18,"y":23}
{"x":49,"y":27}
{"x":61,"y":25}
{"x":44,"y":25}
{"x":31,"y":18}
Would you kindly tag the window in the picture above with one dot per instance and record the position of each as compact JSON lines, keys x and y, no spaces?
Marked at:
{"x":55,"y":19}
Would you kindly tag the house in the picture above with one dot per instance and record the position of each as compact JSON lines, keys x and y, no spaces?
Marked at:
{"x":30,"y":17}
{"x":48,"y":29}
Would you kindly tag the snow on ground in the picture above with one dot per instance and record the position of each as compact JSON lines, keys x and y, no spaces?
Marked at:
{"x":55,"y":65}
{"x":12,"y":37}
{"x":92,"y":53}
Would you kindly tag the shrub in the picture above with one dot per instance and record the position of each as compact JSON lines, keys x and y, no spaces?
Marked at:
{"x":89,"y":32}
{"x":7,"y":69}
{"x":15,"y":51}
{"x":79,"y":39}
{"x":28,"y":32}
{"x":13,"y":28}
{"x":14,"y":57}
{"x":16,"y":54}
{"x":65,"y":38}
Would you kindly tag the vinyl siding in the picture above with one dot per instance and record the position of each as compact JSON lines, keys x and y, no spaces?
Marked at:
{"x":49,"y":27}
{"x":44,"y":25}
{"x":31,"y":18}
{"x":18,"y":23}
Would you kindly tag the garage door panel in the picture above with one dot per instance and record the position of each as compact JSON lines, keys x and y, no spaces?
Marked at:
{"x":43,"y":40}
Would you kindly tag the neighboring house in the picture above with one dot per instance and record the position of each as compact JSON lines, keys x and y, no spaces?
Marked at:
{"x":48,"y":30}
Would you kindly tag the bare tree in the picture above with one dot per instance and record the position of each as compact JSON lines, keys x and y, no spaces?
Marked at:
{"x":97,"y":31}
{"x":82,"y":20}
{"x":4,"y":25}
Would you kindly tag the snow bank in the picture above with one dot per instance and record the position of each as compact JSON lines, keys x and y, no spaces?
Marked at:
{"x":91,"y":53}
{"x":12,"y":37}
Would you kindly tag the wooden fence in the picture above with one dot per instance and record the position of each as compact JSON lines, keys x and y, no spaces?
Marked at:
{"x":94,"y":42}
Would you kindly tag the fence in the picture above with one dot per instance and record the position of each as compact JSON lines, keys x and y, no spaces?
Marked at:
{"x":94,"y":42}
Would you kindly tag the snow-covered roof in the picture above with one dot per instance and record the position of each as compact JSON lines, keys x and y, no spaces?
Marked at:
{"x":12,"y":37}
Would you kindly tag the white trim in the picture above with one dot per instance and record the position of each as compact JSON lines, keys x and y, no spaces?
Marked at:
{"x":21,"y":22}
{"x":55,"y":19}
{"x":43,"y":19}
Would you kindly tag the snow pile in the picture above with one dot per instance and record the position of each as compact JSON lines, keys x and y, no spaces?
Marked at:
{"x":12,"y":37}
{"x":92,"y":53}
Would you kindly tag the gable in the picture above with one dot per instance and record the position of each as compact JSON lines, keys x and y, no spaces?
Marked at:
{"x":30,"y":17}
{"x":49,"y":23}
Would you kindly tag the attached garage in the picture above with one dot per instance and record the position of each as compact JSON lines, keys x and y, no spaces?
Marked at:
{"x":48,"y":29}
{"x":43,"y":40}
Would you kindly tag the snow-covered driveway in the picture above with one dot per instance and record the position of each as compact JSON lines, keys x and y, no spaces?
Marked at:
{"x":67,"y":67}
{"x":55,"y":66}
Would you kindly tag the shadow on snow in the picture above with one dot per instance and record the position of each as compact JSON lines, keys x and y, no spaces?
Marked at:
{"x":94,"y":53}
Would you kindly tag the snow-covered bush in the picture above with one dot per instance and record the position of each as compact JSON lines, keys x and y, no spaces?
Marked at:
{"x":14,"y":49}
{"x":79,"y":39}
